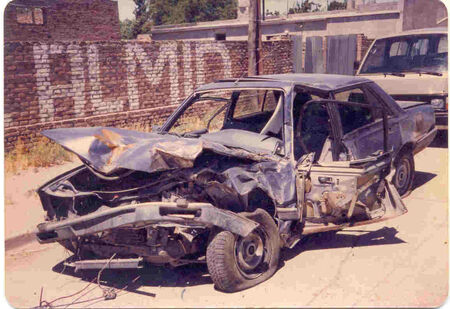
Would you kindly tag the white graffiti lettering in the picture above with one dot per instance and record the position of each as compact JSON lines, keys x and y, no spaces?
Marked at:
{"x":136,"y":55}
{"x":47,"y":92}
{"x":153,"y":71}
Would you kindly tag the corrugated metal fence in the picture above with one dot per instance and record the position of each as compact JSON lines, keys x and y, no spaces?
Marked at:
{"x":331,"y":54}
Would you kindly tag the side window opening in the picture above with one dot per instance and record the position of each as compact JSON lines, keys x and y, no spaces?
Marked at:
{"x":312,"y":130}
{"x":352,"y":116}
{"x":255,"y":110}
{"x":209,"y":108}
{"x":258,"y":111}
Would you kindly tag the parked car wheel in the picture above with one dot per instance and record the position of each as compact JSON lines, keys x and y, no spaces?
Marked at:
{"x":404,"y":174}
{"x":236,"y":263}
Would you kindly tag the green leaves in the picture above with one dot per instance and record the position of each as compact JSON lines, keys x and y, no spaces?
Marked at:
{"x":161,"y":12}
{"x":190,"y":11}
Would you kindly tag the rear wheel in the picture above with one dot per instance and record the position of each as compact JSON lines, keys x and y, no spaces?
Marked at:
{"x":404,"y":174}
{"x":236,"y":263}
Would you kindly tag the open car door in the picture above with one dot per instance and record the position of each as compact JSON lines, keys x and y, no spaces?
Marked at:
{"x":335,"y":191}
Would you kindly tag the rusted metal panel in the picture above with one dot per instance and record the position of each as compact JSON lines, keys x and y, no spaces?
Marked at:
{"x":341,"y":54}
{"x":314,"y":55}
{"x":107,"y":264}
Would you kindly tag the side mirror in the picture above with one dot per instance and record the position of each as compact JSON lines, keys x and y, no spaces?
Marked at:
{"x":356,"y":65}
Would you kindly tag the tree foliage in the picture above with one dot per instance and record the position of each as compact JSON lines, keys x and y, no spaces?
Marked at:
{"x":126,"y":29}
{"x":190,"y":11}
{"x":307,"y":6}
{"x":337,"y":5}
{"x":160,"y":12}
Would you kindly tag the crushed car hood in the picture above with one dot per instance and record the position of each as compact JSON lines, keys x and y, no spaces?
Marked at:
{"x":109,"y":149}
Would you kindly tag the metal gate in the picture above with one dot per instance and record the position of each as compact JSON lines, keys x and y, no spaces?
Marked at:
{"x":297,"y":53}
{"x":341,"y":54}
{"x":314,"y":55}
{"x":338,"y":58}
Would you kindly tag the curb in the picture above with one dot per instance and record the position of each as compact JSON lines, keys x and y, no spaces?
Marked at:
{"x":19,"y":240}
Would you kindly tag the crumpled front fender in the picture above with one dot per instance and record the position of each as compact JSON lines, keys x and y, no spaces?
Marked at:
{"x":190,"y":214}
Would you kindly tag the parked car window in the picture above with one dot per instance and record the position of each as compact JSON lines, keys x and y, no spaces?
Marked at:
{"x":420,"y":47}
{"x":375,"y":57}
{"x":354,"y":117}
{"x":398,"y":49}
{"x":411,"y":53}
{"x":443,"y":45}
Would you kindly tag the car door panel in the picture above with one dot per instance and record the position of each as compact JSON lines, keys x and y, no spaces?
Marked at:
{"x":346,"y":192}
{"x":344,"y":195}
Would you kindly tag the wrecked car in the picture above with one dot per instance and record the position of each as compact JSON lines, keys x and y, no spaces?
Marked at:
{"x":240,"y":170}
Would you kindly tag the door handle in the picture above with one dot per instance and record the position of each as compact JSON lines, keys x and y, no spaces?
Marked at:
{"x":328,"y":180}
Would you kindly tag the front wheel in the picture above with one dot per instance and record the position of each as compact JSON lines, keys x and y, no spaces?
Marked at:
{"x":236,"y":263}
{"x":404,"y":174}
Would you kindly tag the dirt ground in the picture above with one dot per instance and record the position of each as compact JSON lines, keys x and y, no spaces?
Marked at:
{"x":402,"y":262}
{"x":22,"y":206}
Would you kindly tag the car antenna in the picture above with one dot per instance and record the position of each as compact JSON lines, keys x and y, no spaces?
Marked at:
{"x":240,"y":77}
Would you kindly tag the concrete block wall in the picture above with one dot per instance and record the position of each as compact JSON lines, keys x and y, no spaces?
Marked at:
{"x":115,"y":83}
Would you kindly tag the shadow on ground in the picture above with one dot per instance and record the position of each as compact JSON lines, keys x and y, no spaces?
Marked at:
{"x":421,"y":178}
{"x":345,"y":239}
{"x":149,"y":276}
{"x":197,"y":274}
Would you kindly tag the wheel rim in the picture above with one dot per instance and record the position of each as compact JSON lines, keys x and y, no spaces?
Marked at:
{"x":251,"y":254}
{"x":403,"y":174}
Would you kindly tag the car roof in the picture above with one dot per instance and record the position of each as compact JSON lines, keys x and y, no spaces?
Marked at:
{"x":322,"y":82}
{"x":437,"y":30}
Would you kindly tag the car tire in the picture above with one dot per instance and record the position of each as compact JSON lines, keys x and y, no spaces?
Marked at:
{"x":236,"y":263}
{"x":404,"y":174}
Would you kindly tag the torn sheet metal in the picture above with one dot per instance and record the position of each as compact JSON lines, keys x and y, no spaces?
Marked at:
{"x":110,"y":149}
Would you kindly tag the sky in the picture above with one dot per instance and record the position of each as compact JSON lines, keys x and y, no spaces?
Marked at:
{"x":126,"y":8}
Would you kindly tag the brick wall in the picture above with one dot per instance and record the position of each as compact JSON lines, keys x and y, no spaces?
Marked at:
{"x":362,"y":46}
{"x":61,"y":20}
{"x":115,"y":83}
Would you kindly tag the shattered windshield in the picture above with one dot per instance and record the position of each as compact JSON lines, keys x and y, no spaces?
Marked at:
{"x":254,"y":110}
{"x":413,"y":53}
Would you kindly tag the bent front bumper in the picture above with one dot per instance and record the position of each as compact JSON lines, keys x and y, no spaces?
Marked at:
{"x":190,"y":214}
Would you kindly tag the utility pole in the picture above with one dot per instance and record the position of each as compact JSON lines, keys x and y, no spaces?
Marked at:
{"x":263,"y":9}
{"x":254,"y":38}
